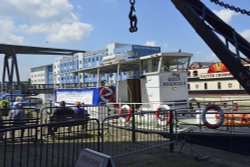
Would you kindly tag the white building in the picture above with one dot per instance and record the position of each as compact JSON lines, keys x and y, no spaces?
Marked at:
{"x":42,"y":75}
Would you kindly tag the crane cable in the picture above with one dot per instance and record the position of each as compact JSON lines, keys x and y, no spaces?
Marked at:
{"x":231,"y":7}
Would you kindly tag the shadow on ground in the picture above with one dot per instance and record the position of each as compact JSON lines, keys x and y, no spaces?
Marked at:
{"x":161,"y":157}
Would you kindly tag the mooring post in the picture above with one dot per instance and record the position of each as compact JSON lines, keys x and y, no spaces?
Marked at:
{"x":50,"y":106}
{"x":133,"y":124}
{"x":171,"y":131}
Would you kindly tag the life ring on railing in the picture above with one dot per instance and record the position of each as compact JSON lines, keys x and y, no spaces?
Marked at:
{"x":157,"y":113}
{"x":106,"y":94}
{"x":129,"y":110}
{"x":221,"y":116}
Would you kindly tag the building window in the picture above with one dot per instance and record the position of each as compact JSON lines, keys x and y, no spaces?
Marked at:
{"x":219,"y":85}
{"x":188,"y":86}
{"x":205,"y":85}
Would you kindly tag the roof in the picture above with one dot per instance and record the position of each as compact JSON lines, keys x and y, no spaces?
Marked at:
{"x":130,"y":65}
{"x":200,"y":64}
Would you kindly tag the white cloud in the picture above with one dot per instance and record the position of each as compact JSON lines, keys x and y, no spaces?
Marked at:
{"x":150,"y":43}
{"x":74,"y":31}
{"x":165,"y":45}
{"x":14,"y":39}
{"x":37,"y":10}
{"x":226,"y":15}
{"x":246,"y":34}
{"x":211,"y":58}
{"x":61,"y":32}
{"x":7,"y":32}
{"x":52,"y":19}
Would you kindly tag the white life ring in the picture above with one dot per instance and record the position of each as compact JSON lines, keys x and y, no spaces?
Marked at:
{"x":157,"y":113}
{"x":129,"y":110}
{"x":221,"y":115}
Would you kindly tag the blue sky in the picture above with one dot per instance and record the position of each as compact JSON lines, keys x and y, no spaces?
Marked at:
{"x":92,"y":24}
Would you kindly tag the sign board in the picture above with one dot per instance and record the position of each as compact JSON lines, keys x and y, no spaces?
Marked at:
{"x":88,"y":96}
{"x":91,"y":158}
{"x":216,"y":75}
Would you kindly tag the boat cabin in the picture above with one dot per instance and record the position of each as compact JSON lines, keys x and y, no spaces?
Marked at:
{"x":149,"y":80}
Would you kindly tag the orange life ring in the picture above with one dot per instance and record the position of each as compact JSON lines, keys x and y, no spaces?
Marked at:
{"x":129,"y":110}
{"x":157,"y":113}
{"x":106,"y":92}
{"x":221,"y":116}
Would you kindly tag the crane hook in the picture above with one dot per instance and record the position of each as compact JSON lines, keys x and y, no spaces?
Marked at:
{"x":132,"y":17}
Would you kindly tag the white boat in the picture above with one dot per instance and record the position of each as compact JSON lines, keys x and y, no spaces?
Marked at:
{"x":160,"y":81}
{"x":213,"y":81}
{"x":160,"y":78}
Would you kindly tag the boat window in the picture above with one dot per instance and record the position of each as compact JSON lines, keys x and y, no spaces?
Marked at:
{"x":155,"y":64}
{"x":150,"y":65}
{"x":196,"y":86}
{"x":144,"y":66}
{"x":219,"y":85}
{"x":188,"y":86}
{"x":195,"y":73}
{"x":175,"y":64}
{"x":205,"y":85}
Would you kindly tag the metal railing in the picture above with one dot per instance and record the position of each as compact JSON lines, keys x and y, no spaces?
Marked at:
{"x":128,"y":133}
{"x":37,"y":148}
{"x":114,"y":133}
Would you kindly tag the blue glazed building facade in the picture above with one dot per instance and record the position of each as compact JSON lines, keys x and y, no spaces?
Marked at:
{"x":62,"y":71}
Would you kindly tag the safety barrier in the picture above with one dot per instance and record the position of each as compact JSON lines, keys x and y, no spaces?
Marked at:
{"x":37,"y":148}
{"x":220,"y":124}
{"x":129,"y":131}
{"x":112,"y":134}
{"x":96,"y":112}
